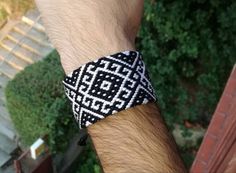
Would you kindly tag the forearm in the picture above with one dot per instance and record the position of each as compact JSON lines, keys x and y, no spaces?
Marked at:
{"x":136,"y":140}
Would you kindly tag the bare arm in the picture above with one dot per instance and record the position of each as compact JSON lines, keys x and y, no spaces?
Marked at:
{"x":135,"y":140}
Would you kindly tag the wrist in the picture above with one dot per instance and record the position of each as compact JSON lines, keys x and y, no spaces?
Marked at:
{"x":81,"y":51}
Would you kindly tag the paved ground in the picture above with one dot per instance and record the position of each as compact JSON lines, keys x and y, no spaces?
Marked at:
{"x":21,"y":43}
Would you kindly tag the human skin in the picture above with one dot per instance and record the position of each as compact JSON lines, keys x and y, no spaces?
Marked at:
{"x":133,"y":140}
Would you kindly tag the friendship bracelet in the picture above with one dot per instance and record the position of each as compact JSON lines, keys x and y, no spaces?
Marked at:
{"x":108,"y":85}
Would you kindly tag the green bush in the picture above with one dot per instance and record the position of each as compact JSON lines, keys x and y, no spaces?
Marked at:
{"x":190,"y":49}
{"x":88,"y":163}
{"x":37,"y":104}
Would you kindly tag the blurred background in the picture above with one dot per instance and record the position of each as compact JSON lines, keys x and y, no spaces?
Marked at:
{"x":14,"y":9}
{"x":189,"y":48}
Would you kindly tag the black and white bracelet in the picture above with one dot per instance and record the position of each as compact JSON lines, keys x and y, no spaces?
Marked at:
{"x":108,"y":85}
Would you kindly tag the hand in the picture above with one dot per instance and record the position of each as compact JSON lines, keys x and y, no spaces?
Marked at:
{"x":84,"y":30}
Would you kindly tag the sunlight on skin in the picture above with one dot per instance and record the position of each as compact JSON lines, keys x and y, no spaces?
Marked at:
{"x":135,"y":140}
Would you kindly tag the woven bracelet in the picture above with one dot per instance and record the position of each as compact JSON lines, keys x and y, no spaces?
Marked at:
{"x":108,"y":85}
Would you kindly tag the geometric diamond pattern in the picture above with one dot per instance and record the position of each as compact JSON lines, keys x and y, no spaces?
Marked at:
{"x":108,"y":85}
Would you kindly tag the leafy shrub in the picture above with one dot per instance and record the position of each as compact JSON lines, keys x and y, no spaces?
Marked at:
{"x":190,"y":48}
{"x":89,"y":162}
{"x":37,"y":104}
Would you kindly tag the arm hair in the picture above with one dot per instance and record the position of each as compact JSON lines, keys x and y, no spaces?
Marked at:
{"x":136,"y":140}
